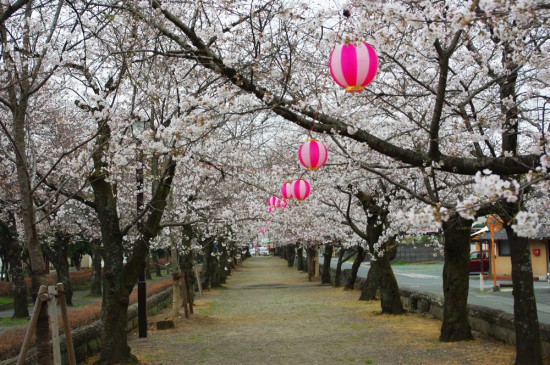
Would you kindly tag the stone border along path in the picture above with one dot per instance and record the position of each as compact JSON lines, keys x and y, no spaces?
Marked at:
{"x":270,"y":314}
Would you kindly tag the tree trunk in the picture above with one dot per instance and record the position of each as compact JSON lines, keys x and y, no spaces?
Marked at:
{"x":300,"y":258}
{"x":63,"y":277}
{"x":327,"y":259}
{"x":14,"y":261}
{"x":211,"y":267}
{"x":528,"y":343}
{"x":223,"y":264}
{"x":20,"y":306}
{"x":38,"y":268}
{"x":290,"y":254}
{"x":455,"y":326}
{"x":311,"y":255}
{"x":338,"y":273}
{"x":148,"y":275}
{"x":390,"y":299}
{"x":58,"y":254}
{"x":115,"y":300}
{"x":360,"y":256}
{"x":370,"y":285}
{"x":376,"y":211}
{"x":186,"y":262}
{"x":155,"y":255}
{"x":96,"y":282}
{"x":118,"y":279}
{"x":20,"y":293}
{"x":114,"y":342}
{"x":306,"y":260}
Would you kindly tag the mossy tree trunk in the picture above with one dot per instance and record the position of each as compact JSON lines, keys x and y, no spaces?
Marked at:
{"x":456,"y":280}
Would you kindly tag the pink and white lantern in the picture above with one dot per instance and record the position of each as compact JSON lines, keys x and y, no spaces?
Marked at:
{"x":301,"y":189}
{"x":353,"y":66}
{"x":313,"y":154}
{"x":274,"y":202}
{"x":286,"y":190}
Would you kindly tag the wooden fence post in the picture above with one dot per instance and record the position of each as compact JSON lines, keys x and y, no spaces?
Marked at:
{"x":52,"y":312}
{"x":42,"y":297}
{"x":66,"y":324}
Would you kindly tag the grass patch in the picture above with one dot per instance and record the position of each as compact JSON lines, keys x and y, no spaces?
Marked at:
{"x":209,"y":309}
{"x":6,"y":300}
{"x":8,"y":322}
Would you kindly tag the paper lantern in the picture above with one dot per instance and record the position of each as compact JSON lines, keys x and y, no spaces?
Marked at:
{"x":269,"y":209}
{"x":313,"y":154}
{"x":273,"y":202}
{"x":286,"y":190}
{"x":353,"y":66}
{"x":283,"y":204}
{"x":301,"y":189}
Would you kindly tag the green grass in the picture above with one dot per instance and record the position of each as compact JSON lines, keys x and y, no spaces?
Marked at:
{"x":8,"y":322}
{"x":6,"y":300}
{"x":369,"y":361}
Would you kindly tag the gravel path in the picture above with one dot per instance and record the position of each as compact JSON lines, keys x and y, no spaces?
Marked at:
{"x":270,"y":314}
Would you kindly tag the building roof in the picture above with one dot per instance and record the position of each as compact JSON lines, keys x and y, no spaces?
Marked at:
{"x":543,"y":233}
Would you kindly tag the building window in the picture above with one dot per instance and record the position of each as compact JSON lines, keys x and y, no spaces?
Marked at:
{"x":504,"y":248}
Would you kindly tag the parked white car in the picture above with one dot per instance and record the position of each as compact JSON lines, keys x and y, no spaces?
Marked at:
{"x":263,"y":251}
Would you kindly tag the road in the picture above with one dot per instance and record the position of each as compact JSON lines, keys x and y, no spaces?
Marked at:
{"x":428,"y":278}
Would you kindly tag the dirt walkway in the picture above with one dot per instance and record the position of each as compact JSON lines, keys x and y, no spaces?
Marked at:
{"x":270,"y":314}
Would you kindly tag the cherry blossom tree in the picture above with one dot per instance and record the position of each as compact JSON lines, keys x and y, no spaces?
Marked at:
{"x":478,"y":58}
